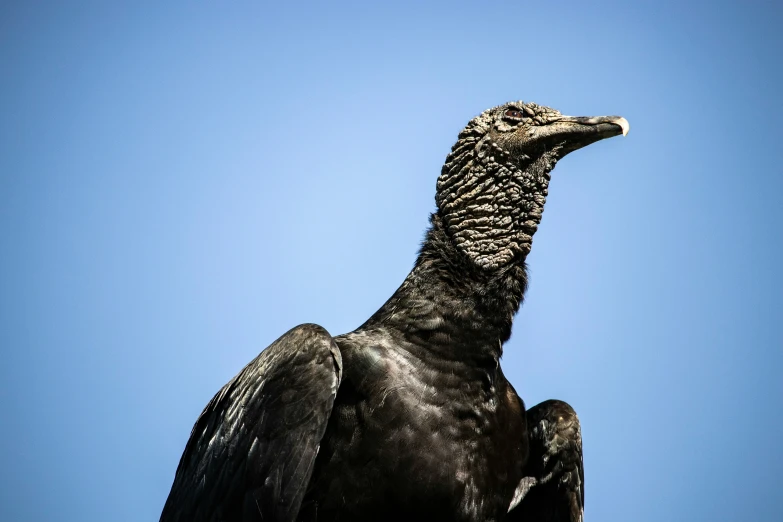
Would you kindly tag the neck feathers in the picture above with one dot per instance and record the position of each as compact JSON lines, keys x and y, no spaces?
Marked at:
{"x":447,"y":297}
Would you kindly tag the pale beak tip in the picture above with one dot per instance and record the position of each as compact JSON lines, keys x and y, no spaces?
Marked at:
{"x":624,"y":125}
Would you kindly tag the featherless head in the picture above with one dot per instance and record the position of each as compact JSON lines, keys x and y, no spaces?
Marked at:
{"x":493,"y":186}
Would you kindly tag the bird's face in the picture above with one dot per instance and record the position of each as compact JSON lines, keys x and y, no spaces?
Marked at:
{"x":493,"y":186}
{"x":526,"y":130}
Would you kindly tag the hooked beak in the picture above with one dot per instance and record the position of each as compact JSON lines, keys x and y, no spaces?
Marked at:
{"x":574,"y":132}
{"x":600,"y":123}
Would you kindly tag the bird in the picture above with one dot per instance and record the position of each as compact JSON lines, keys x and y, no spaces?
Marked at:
{"x":410,"y":417}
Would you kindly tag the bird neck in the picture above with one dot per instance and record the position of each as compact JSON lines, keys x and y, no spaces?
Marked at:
{"x":491,"y":202}
{"x":449,"y":305}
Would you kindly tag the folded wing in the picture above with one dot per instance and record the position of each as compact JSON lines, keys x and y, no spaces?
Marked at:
{"x":251,"y":453}
{"x":553,"y":489}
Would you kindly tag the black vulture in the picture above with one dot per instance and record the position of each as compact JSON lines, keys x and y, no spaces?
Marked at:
{"x":409,"y":417}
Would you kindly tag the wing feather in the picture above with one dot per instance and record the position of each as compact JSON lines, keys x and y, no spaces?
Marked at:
{"x":553,"y":487}
{"x":251,"y":453}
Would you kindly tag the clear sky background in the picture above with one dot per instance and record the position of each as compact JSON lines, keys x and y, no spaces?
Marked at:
{"x":180,"y":184}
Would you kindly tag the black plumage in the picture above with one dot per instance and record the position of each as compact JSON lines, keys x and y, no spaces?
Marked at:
{"x":409,"y":417}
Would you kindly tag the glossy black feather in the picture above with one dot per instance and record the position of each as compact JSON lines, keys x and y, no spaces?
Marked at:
{"x":553,"y":487}
{"x":251,"y":453}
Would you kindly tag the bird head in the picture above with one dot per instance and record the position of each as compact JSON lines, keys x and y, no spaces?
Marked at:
{"x":493,"y":186}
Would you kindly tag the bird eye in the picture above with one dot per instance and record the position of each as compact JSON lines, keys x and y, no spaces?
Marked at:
{"x":513,"y":114}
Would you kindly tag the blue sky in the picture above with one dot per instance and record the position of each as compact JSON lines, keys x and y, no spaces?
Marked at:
{"x":181,"y":184}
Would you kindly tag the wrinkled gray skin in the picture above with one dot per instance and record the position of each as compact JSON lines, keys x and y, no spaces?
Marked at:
{"x":410,"y":417}
{"x":493,"y":187}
